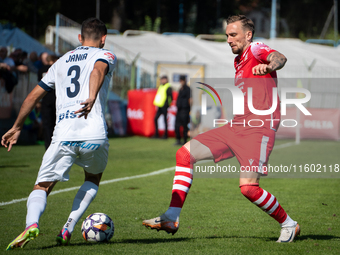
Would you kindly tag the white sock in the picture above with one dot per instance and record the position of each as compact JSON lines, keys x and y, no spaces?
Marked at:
{"x":173,"y":213}
{"x":81,"y":202}
{"x":288,"y":222}
{"x":36,"y":204}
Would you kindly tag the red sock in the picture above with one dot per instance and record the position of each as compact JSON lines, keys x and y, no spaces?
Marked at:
{"x":263,"y":199}
{"x":183,"y":177}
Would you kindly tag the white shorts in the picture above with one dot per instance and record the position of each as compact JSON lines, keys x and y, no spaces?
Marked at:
{"x":92,"y":155}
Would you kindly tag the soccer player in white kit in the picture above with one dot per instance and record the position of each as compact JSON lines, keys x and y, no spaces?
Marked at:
{"x":80,"y":79}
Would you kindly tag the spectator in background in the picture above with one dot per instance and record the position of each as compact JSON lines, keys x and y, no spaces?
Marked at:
{"x":183,"y":109}
{"x":48,"y":112}
{"x":7,"y":67}
{"x":42,"y":60}
{"x":16,"y":56}
{"x":33,"y":57}
{"x":162,"y":100}
{"x":4,"y":57}
{"x":3,"y":54}
{"x":23,"y":57}
{"x":44,"y":66}
{"x":30,"y":62}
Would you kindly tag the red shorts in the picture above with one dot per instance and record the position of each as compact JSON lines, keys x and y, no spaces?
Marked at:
{"x":251,"y":146}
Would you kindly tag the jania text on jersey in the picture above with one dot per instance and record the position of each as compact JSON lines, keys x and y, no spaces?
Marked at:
{"x":76,"y":57}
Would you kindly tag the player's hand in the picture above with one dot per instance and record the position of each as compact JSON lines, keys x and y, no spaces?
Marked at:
{"x":88,"y":104}
{"x":10,"y":138}
{"x":261,"y":69}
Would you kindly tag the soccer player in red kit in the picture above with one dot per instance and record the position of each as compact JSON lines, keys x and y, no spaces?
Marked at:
{"x":256,"y":66}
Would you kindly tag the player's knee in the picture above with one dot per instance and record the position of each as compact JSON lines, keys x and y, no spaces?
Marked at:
{"x":184,"y":157}
{"x":94,"y":178}
{"x":45,"y":186}
{"x":250,"y":190}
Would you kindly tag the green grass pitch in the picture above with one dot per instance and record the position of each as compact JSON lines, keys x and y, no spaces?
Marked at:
{"x":216,"y":218}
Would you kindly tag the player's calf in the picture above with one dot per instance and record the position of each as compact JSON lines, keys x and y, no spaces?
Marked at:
{"x":269,"y":204}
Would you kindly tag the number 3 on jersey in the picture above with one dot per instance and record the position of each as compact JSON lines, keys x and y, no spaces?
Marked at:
{"x":74,"y":81}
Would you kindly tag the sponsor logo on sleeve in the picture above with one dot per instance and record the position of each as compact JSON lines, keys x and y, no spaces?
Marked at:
{"x":110,"y":56}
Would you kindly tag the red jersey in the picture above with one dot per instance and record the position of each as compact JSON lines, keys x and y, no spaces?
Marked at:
{"x":262,"y":86}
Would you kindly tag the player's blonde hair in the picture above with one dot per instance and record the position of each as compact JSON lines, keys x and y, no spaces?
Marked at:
{"x":247,"y":24}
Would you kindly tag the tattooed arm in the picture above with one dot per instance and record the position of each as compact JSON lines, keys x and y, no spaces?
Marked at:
{"x":276,"y":62}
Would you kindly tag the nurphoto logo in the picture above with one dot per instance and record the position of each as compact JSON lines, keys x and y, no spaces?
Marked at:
{"x":238,"y":103}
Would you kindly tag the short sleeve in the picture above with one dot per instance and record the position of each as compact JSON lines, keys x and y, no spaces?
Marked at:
{"x":48,"y":81}
{"x":109,"y":58}
{"x":261,"y":51}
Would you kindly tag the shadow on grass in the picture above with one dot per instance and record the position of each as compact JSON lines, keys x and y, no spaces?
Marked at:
{"x":182,"y":239}
{"x":307,"y":237}
{"x":238,"y":237}
{"x":125,"y":241}
{"x":154,"y":240}
{"x":317,"y":237}
{"x":298,"y":238}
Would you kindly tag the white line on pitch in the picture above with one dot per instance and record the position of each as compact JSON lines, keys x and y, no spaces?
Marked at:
{"x":14,"y":201}
{"x":284,"y":145}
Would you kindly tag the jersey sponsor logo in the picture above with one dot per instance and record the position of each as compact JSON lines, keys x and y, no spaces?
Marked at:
{"x":76,"y":57}
{"x":69,"y":104}
{"x":242,"y":60}
{"x":109,"y":55}
{"x":239,"y":65}
{"x":265,"y":48}
{"x":84,"y":145}
{"x":80,"y":48}
{"x":239,"y":76}
{"x":67,"y":115}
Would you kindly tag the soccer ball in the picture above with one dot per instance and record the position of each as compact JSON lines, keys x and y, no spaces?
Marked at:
{"x":97,"y":227}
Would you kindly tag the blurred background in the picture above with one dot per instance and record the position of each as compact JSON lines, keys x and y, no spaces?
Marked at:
{"x":295,"y":18}
{"x":152,"y":38}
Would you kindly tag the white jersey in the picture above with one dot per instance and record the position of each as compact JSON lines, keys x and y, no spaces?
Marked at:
{"x":70,"y":77}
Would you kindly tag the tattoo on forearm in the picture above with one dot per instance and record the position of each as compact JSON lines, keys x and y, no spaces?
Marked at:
{"x":277,"y":60}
